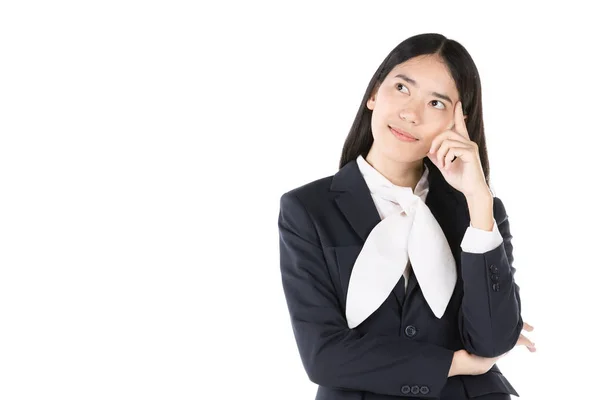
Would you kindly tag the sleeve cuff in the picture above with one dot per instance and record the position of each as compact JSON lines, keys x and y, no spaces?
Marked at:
{"x":479,"y":241}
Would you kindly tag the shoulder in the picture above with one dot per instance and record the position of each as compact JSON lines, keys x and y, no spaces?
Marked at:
{"x":309,"y":195}
{"x":302,"y":206}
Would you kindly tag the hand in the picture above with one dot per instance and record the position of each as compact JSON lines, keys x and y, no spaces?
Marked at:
{"x":464,"y":363}
{"x":465,"y":173}
{"x":524,"y":340}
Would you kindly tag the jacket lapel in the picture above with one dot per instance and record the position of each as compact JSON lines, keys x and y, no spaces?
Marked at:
{"x":355,"y":200}
{"x":356,"y":204}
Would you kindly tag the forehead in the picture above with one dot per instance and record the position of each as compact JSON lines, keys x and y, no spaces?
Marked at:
{"x":429,"y":72}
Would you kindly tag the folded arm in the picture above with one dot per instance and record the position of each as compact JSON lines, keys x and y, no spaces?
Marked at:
{"x":332,"y":354}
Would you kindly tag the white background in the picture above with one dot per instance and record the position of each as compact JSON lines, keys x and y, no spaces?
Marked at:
{"x":145,"y":145}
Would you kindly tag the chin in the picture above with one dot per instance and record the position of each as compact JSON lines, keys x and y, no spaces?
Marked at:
{"x":399,"y":154}
{"x":396,"y":150}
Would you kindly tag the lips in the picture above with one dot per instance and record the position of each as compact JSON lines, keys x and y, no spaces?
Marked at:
{"x":403,"y":133}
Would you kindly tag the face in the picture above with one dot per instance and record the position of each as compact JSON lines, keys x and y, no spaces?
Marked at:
{"x":418,"y":97}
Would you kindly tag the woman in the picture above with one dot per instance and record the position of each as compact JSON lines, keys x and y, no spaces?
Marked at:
{"x":397,"y":270}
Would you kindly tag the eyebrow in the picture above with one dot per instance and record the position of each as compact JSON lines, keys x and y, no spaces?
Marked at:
{"x":413,"y":82}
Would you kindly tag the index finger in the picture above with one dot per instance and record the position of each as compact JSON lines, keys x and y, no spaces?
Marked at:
{"x":459,"y":121}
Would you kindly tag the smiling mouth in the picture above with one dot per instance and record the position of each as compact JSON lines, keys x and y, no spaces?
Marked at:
{"x":402,"y":135}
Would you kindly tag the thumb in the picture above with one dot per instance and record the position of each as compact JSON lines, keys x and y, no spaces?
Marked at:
{"x":433,"y":159}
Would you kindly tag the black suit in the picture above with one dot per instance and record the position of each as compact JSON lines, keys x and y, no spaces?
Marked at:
{"x":402,"y":350}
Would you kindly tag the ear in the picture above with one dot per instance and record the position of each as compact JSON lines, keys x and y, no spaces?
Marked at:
{"x":371,"y":100}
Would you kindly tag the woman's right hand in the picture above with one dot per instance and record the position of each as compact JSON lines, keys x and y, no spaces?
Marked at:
{"x":464,"y":363}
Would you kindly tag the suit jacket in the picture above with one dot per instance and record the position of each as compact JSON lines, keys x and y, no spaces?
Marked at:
{"x":402,"y":351}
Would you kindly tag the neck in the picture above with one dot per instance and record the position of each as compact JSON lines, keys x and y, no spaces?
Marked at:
{"x":400,"y":173}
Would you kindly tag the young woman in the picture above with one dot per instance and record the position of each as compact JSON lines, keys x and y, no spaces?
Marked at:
{"x":397,"y":270}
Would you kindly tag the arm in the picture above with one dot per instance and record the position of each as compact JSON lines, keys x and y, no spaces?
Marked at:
{"x":489,"y":319}
{"x":332,"y":354}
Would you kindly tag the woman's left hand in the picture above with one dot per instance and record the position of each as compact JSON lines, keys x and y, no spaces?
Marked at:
{"x":465,"y":174}
{"x":524,"y":340}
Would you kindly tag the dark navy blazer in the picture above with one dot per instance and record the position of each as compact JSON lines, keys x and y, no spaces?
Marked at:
{"x":402,"y":351}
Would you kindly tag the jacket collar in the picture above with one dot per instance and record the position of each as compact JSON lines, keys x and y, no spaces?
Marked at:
{"x":355,"y":202}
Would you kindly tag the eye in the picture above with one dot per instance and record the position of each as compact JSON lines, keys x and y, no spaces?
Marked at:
{"x":437,"y":102}
{"x":400,"y":84}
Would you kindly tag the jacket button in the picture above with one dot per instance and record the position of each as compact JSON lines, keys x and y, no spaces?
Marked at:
{"x":495,"y":278}
{"x":415,"y":389}
{"x":424,"y":389}
{"x":494,"y":269}
{"x":410,"y":331}
{"x":496,"y":287}
{"x":405,"y":389}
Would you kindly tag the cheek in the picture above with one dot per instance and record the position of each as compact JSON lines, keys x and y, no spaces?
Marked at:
{"x":446,"y":121}
{"x":380,"y":116}
{"x":433,"y":131}
{"x":383,"y":114}
{"x":386,"y":103}
{"x":438,"y":124}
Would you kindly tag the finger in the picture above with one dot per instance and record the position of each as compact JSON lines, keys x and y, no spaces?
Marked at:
{"x":454,"y":152}
{"x":433,"y":160}
{"x":445,"y":147}
{"x":459,"y":121}
{"x":465,"y":152}
{"x":450,"y":156}
{"x":531,"y":348}
{"x":449,"y":134}
{"x":527,"y":327}
{"x":525,"y":341}
{"x":437,"y":141}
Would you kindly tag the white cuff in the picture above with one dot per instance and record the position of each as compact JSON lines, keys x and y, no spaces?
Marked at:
{"x":479,"y":241}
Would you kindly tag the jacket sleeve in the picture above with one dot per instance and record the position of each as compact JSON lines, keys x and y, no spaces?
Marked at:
{"x":332,"y":354}
{"x":489,"y":318}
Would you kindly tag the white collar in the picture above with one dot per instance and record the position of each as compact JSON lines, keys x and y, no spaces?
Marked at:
{"x":374,"y":178}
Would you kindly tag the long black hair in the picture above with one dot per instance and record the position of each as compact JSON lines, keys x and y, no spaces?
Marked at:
{"x":465,"y":75}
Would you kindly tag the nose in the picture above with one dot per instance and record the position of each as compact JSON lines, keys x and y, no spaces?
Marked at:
{"x":409,"y":114}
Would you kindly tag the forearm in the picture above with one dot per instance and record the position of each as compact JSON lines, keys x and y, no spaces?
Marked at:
{"x":377,"y":364}
{"x":490,"y":315}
